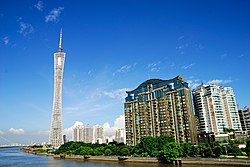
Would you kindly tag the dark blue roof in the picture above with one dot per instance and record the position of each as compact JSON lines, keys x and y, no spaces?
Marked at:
{"x":158,"y":83}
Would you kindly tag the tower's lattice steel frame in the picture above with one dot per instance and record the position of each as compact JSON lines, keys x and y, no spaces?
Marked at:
{"x":55,"y":138}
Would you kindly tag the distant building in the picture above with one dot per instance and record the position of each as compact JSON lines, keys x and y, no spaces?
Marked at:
{"x":108,"y":139}
{"x":160,"y":107}
{"x":88,"y":134}
{"x":216,"y":109}
{"x":78,"y":133}
{"x":120,"y":136}
{"x":237,"y":135}
{"x":244,"y":114}
{"x":64,"y":139}
{"x":98,"y":134}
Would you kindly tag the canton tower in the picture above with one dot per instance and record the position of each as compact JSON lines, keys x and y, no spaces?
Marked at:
{"x":55,"y":137}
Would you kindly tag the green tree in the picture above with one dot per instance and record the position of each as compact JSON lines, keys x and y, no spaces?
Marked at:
{"x":171,"y":151}
{"x":201,"y":149}
{"x":162,"y":140}
{"x":89,"y":150}
{"x":247,"y":149}
{"x":148,"y":145}
{"x":156,"y":153}
{"x":208,"y":153}
{"x":233,"y":149}
{"x":77,"y":151}
{"x":99,"y":150}
{"x":124,"y":151}
{"x":194,"y":151}
{"x":83,"y":151}
{"x":217,"y":150}
{"x":186,"y":149}
{"x":107,"y":152}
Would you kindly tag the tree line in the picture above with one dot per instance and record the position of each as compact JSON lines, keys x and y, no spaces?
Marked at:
{"x":163,"y":147}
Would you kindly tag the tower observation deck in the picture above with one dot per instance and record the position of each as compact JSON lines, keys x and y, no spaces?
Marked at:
{"x":55,"y":137}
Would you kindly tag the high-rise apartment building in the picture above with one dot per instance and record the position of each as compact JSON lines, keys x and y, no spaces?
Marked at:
{"x":88,"y":134}
{"x":120,"y":136}
{"x":98,"y":134}
{"x":244,"y":114}
{"x":160,"y":107}
{"x":56,"y":137}
{"x":78,"y":133}
{"x":216,"y":108}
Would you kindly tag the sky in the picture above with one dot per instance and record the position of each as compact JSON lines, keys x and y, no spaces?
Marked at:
{"x":111,"y":47}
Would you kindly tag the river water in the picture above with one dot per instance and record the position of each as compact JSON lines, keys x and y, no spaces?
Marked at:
{"x":13,"y":157}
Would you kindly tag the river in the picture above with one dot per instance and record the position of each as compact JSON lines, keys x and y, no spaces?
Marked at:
{"x":13,"y":157}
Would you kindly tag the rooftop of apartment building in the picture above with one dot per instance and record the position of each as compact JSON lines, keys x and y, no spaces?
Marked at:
{"x":153,"y":84}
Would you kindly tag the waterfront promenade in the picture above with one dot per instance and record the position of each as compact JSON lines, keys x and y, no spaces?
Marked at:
{"x":200,"y":161}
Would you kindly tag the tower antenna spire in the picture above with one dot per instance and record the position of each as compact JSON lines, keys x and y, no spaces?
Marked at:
{"x":60,"y":42}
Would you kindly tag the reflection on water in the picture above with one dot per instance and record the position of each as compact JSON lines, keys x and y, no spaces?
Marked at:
{"x":13,"y":157}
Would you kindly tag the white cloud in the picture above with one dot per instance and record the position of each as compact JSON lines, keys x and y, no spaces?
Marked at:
{"x":1,"y":132}
{"x":16,"y":131}
{"x":119,"y":93}
{"x":182,"y":46}
{"x":25,"y":28}
{"x":124,"y":69}
{"x":54,"y":14}
{"x":39,"y":5}
{"x":181,"y":37}
{"x":154,"y":67}
{"x":5,"y":40}
{"x":218,"y":81}
{"x":193,"y":83}
{"x":118,"y":123}
{"x":185,"y":67}
{"x":200,"y":47}
{"x":90,"y":72}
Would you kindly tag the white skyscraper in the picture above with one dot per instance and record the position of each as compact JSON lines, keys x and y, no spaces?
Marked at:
{"x":78,"y":133}
{"x":216,"y":108}
{"x":56,"y":138}
{"x":98,"y":134}
{"x":88,"y":134}
{"x":120,"y":136}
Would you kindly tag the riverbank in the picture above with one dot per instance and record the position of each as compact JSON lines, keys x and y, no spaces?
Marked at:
{"x":216,"y":161}
{"x":196,"y":161}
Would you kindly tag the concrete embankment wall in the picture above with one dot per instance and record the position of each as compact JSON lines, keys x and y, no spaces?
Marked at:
{"x":202,"y":161}
{"x":216,"y":161}
{"x":110,"y":158}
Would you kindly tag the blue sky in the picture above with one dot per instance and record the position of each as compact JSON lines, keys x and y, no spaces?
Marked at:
{"x":111,"y":47}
